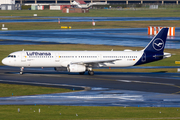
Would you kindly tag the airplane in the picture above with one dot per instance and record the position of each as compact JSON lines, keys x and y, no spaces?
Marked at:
{"x":82,"y":61}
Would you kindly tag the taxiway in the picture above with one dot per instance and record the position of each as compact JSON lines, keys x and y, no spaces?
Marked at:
{"x":102,"y":89}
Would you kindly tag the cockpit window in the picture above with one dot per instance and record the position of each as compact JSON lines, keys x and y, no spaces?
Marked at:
{"x":12,"y":56}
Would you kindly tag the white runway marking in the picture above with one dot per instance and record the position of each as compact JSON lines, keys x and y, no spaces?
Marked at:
{"x":146,"y":82}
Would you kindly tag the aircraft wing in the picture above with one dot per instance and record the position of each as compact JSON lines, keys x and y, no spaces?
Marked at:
{"x":95,"y":62}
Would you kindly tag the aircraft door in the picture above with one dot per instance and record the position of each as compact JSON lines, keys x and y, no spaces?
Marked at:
{"x":57,"y":57}
{"x":15,"y":59}
{"x":99,"y":56}
{"x":23,"y":57}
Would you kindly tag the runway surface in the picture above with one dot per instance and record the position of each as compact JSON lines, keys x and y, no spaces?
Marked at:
{"x":81,"y":19}
{"x":103,"y":89}
{"x":135,"y":37}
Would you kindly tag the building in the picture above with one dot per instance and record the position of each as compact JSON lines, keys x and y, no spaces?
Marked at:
{"x":75,"y":10}
{"x":90,"y":1}
{"x":7,"y":2}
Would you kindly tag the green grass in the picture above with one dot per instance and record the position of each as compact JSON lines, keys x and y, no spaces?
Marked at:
{"x":169,"y":12}
{"x":88,"y":25}
{"x":5,"y":50}
{"x":85,"y":112}
{"x":20,"y":90}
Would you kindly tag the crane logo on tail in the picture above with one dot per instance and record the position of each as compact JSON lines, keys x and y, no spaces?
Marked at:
{"x":158,"y":44}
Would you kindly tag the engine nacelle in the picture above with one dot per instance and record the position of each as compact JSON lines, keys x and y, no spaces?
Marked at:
{"x":76,"y":68}
{"x":60,"y":69}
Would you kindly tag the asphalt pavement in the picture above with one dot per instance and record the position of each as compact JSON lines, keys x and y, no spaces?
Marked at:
{"x":102,"y":89}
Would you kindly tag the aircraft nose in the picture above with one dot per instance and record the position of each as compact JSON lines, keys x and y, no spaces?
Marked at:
{"x":4,"y":61}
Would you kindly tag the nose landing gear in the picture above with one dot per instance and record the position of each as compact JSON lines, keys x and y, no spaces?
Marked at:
{"x":21,"y":70}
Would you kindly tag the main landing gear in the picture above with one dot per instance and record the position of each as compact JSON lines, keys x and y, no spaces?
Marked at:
{"x":90,"y":71}
{"x":21,"y":70}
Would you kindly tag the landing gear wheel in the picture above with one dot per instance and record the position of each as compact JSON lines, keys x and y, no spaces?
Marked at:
{"x":21,"y":70}
{"x":81,"y":73}
{"x":91,"y":72}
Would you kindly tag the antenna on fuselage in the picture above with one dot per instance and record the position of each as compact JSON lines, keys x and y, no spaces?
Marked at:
{"x":23,"y":50}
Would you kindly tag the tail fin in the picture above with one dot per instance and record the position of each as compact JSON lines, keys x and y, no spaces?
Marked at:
{"x":154,"y":50}
{"x":157,"y":44}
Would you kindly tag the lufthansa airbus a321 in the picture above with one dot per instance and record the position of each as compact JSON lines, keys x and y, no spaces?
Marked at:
{"x":82,"y":61}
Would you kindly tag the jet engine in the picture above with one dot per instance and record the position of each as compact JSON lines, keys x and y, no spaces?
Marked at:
{"x":76,"y":68}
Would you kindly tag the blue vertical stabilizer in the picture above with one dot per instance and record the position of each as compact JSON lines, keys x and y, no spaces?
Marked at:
{"x":154,"y":50}
{"x":157,"y":44}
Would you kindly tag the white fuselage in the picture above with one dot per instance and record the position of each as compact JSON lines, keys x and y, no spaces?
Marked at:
{"x":63,"y":58}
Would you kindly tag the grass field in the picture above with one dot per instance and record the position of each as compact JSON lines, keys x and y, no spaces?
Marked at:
{"x":165,"y":12}
{"x":7,"y":49}
{"x":81,"y":112}
{"x":88,"y":25}
{"x":20,"y":90}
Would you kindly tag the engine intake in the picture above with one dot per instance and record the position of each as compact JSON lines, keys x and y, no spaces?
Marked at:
{"x":76,"y":68}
